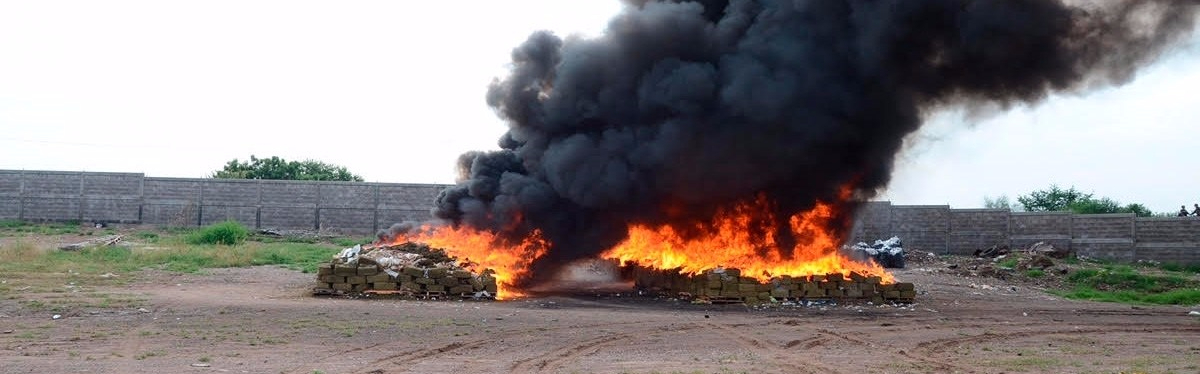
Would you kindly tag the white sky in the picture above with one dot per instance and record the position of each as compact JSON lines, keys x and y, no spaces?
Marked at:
{"x":393,"y":90}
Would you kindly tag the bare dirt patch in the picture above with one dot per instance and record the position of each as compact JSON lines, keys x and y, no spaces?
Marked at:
{"x":261,"y":320}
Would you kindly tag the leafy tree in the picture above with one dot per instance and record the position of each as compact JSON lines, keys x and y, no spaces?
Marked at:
{"x":1056,"y":199}
{"x":1053,"y":199}
{"x":279,"y":169}
{"x":1000,"y":202}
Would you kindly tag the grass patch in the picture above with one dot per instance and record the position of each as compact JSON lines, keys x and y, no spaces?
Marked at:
{"x":350,"y":242}
{"x":1194,"y":268}
{"x":1026,"y":364}
{"x":1120,"y":283}
{"x":228,"y":233}
{"x":1035,"y":273}
{"x":297,"y":256}
{"x":31,"y":266}
{"x":11,"y":226}
{"x":1008,"y":262}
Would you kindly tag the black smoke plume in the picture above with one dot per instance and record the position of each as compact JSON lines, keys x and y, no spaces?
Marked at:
{"x":684,"y":107}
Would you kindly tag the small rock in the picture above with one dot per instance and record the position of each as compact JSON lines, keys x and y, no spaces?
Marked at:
{"x":1191,"y":313}
{"x":201,"y":365}
{"x":143,"y":310}
{"x":8,"y":331}
{"x":56,"y":316}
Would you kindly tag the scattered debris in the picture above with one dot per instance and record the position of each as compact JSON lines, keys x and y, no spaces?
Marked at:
{"x":1037,"y":260}
{"x":100,"y":242}
{"x":993,"y":251}
{"x":1045,"y":249}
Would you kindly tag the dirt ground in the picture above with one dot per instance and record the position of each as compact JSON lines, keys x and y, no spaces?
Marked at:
{"x":262,"y":320}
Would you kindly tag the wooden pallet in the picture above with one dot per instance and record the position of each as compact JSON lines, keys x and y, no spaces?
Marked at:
{"x":388,"y":292}
{"x":724,"y":299}
{"x":431,"y":295}
{"x":327,"y":292}
{"x":471,"y":296}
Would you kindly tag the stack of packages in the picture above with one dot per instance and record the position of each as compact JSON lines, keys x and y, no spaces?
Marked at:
{"x":407,"y":269}
{"x":727,"y":285}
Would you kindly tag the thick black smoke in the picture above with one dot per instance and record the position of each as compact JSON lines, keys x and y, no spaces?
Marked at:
{"x":683,"y":107}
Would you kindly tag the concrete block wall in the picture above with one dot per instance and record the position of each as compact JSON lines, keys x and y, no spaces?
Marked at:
{"x":287,"y":203}
{"x":361,"y":208}
{"x":1108,"y":236}
{"x":873,"y":222}
{"x":1027,"y":228}
{"x":973,"y":229}
{"x":111,"y":197}
{"x":1167,"y":239}
{"x":171,"y":201}
{"x":11,"y":188}
{"x":922,"y":226}
{"x":349,"y":207}
{"x":1118,"y":237}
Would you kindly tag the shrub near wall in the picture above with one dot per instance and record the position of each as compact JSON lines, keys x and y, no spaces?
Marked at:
{"x":226,"y":233}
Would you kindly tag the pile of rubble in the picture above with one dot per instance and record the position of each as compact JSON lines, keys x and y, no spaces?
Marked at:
{"x":729,"y":286}
{"x":407,"y":270}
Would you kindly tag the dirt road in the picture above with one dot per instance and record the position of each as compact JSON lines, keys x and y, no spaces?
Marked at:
{"x":260,"y":320}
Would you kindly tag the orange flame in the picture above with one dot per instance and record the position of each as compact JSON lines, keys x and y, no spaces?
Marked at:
{"x":730,"y":244}
{"x":510,"y":261}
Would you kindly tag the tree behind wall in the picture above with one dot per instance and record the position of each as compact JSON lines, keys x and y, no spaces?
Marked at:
{"x":276,"y":168}
{"x":1057,"y":199}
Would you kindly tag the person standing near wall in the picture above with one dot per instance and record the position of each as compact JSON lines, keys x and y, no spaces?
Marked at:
{"x":1182,"y":211}
{"x":1196,"y":212}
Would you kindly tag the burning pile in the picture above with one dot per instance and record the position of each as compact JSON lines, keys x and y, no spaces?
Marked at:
{"x":405,"y":269}
{"x":730,"y":285}
{"x":708,"y":134}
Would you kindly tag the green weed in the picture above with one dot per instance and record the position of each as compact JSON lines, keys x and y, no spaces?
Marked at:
{"x":1008,"y":262}
{"x":228,"y":233}
{"x":1121,"y":283}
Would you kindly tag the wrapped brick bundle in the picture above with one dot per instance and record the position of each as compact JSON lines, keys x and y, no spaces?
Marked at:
{"x":406,"y":270}
{"x":730,"y":286}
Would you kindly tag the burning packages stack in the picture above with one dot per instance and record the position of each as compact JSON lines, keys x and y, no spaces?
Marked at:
{"x":728,"y":285}
{"x":407,"y":269}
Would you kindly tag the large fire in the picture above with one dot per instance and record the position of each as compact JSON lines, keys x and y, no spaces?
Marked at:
{"x":727,"y":241}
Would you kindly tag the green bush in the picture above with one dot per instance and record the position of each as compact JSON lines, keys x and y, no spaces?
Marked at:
{"x":228,"y":233}
{"x":1008,"y":262}
{"x":1193,"y":268}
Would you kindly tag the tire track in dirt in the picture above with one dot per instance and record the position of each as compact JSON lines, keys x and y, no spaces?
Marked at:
{"x":942,"y":366}
{"x":942,"y":345}
{"x":410,"y":357}
{"x":557,"y":359}
{"x":782,"y":355}
{"x":554,"y":359}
